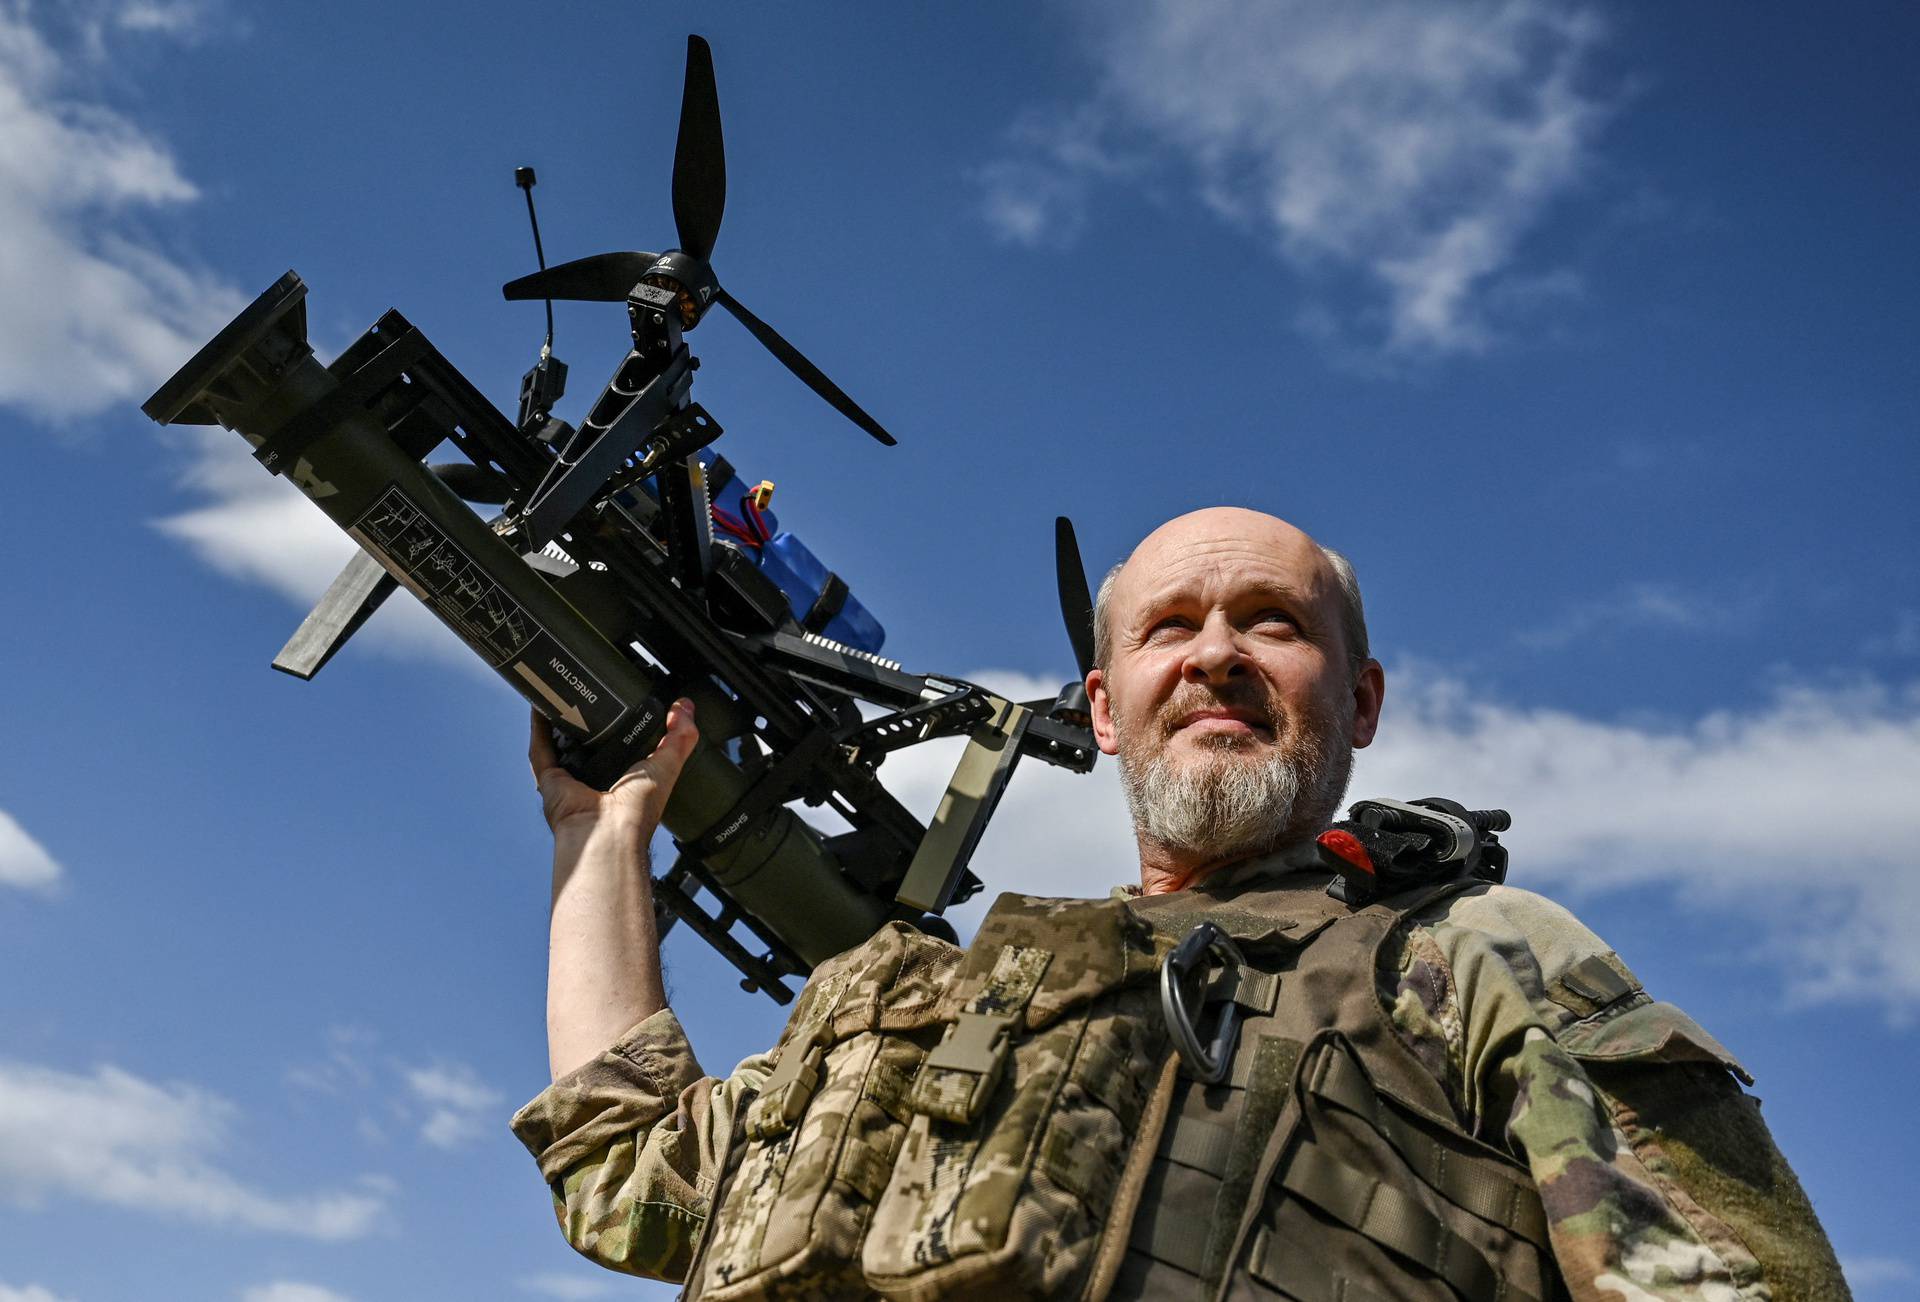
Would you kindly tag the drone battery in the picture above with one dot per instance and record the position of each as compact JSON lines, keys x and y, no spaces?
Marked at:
{"x":818,"y":598}
{"x":814,"y":592}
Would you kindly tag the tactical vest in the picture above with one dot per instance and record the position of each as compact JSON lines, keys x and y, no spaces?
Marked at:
{"x":1012,"y":1121}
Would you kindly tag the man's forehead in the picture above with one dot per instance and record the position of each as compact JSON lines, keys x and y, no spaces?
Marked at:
{"x":1225,"y":550}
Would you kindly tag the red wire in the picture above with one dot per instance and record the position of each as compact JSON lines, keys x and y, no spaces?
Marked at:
{"x":735,"y":527}
{"x":752,"y":510}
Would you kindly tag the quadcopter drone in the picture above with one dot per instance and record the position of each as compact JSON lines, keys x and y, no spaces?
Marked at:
{"x":627,"y":564}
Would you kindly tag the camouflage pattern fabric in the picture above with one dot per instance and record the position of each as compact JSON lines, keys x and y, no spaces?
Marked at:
{"x":1545,"y":1042}
{"x":631,"y":1145}
{"x":1656,"y":1172}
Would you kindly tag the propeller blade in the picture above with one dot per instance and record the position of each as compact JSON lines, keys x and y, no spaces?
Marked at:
{"x":790,"y":357}
{"x":602,"y":278}
{"x":1076,"y":601}
{"x":700,"y":157}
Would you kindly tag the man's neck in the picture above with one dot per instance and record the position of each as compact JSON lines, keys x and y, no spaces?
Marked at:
{"x":1164,"y":870}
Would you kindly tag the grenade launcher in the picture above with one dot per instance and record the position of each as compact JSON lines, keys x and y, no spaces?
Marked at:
{"x":626,"y":565}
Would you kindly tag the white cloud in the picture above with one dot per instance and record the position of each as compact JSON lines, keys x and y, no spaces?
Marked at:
{"x":114,"y":1138}
{"x":1796,"y":819}
{"x":111,"y":313}
{"x":459,"y":1106}
{"x":1417,"y":145}
{"x":24,"y":862}
{"x":1638,"y":606}
{"x":344,"y":1068}
{"x":258,"y":528}
{"x":568,"y":1288}
{"x":30,"y":1293}
{"x":1872,"y":1272}
{"x":184,"y":20}
{"x":287,"y":1290}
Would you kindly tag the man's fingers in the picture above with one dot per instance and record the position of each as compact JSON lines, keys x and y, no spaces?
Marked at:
{"x":662,"y":768}
{"x":540,"y":750}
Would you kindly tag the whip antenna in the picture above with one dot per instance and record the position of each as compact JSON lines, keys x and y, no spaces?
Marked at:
{"x":526,"y":180}
{"x":542,"y":386}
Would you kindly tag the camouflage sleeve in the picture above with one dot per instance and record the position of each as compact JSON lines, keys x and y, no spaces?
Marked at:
{"x":1467,"y":1013}
{"x":1657,"y":1174}
{"x":631,"y":1145}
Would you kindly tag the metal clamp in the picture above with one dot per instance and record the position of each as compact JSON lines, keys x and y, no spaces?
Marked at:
{"x":1182,"y":1000}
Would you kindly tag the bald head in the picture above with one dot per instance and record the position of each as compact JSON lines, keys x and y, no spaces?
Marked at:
{"x":1218,"y":533}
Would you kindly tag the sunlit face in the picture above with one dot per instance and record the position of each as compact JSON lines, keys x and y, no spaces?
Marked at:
{"x":1227,"y":694}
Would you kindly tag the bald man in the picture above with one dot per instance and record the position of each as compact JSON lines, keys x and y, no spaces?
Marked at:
{"x":1458,"y":1091}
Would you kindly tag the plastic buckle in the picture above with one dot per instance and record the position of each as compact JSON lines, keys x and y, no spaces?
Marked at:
{"x":976,"y":1043}
{"x":1182,"y":999}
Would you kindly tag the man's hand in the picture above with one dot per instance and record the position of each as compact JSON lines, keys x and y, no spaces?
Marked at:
{"x":639,"y":795}
{"x":603,"y":958}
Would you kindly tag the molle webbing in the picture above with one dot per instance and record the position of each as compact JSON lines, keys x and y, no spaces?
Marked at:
{"x":1493,"y":1193}
{"x":1303,"y":1278}
{"x":1183,"y":1234}
{"x":1395,"y":1221}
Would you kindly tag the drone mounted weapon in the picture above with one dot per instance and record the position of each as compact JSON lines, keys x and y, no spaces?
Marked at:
{"x":600,"y":589}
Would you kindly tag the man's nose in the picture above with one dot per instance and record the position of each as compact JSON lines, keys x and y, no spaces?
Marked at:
{"x":1214,"y":655}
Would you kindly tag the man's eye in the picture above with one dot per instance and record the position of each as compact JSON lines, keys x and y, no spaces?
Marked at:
{"x":1169,"y":625}
{"x":1275,"y":618}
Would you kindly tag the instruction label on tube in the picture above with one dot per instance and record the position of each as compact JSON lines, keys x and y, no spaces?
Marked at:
{"x":463,"y":594}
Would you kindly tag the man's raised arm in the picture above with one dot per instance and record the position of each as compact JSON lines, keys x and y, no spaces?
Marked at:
{"x":603,"y":956}
{"x":632,"y":1134}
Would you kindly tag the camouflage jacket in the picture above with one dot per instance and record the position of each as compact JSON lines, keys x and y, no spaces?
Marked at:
{"x":1657,"y":1175}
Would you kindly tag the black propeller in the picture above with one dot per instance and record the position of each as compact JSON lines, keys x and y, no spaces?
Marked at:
{"x":602,"y":278}
{"x":699,"y":201}
{"x":1076,"y":602}
{"x":699,"y":157}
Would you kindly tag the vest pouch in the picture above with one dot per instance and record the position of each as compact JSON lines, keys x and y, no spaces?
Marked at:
{"x":1638,"y":1031}
{"x":1366,"y":1198}
{"x":824,"y":1130}
{"x":1028,"y":1111}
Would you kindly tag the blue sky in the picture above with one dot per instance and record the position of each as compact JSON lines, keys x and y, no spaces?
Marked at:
{"x":1586,"y":331}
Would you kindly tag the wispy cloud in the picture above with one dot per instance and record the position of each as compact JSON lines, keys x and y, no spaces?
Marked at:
{"x":100,"y":312}
{"x":1643,"y":605}
{"x":114,"y":1138}
{"x":1797,"y":818}
{"x":24,"y":862}
{"x":459,"y":1105}
{"x":1878,"y":1272}
{"x":343,"y":1068}
{"x":30,"y":1293}
{"x":1903,"y":639}
{"x":568,"y":1288}
{"x":288,"y":1290}
{"x":1414,"y":146}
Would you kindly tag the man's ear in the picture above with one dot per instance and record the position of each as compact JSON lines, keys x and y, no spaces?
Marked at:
{"x":1369,"y":690}
{"x":1102,"y":709}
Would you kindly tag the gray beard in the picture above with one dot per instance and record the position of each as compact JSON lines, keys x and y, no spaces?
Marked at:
{"x":1227,"y":804}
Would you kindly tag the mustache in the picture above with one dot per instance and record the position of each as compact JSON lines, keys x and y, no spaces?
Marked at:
{"x":1194,"y":697}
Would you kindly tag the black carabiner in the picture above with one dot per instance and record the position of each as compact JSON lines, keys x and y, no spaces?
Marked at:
{"x":1209,"y":1064}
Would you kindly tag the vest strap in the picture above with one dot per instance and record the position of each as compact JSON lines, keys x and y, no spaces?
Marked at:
{"x":1396,"y":1222}
{"x":1174,"y":1235}
{"x":1486,"y":1190}
{"x":1203,"y":1145}
{"x":1300,"y":1276}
